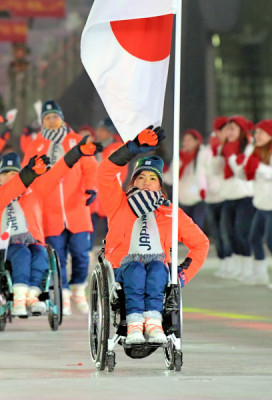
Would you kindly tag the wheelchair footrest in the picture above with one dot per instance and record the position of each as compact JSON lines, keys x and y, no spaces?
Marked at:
{"x":142,"y":350}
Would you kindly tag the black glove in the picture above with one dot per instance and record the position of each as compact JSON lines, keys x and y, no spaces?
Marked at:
{"x":147,"y":140}
{"x":83,"y":148}
{"x":92,"y":196}
{"x":36,"y":166}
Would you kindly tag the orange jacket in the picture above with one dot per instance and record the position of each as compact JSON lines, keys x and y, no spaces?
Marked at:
{"x":66,"y":206}
{"x":96,"y":206}
{"x":121,"y":220}
{"x":32,"y":198}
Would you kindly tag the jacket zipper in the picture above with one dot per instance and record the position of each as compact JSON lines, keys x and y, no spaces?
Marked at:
{"x":62,"y":205}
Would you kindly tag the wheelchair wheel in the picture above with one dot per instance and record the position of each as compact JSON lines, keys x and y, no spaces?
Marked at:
{"x":54,"y":290}
{"x":173,"y":356}
{"x":3,"y":321}
{"x":99,"y":316}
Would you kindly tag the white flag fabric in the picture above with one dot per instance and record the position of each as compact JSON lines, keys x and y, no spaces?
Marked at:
{"x":125,"y":49}
{"x":4,"y":240}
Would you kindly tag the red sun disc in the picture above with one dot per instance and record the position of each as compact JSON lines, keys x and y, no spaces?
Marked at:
{"x":146,"y":38}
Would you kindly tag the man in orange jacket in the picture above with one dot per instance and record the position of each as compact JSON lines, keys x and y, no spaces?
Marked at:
{"x":21,"y":210}
{"x":67,"y":222}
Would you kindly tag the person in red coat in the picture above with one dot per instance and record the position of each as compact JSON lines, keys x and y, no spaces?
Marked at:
{"x":67,"y":221}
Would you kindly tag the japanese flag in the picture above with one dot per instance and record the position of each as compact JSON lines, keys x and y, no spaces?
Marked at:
{"x":4,"y":242}
{"x":125,"y":48}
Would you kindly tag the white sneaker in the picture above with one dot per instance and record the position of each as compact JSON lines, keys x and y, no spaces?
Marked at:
{"x":221,"y":271}
{"x":259,"y":275}
{"x":135,"y":333}
{"x":246,"y":270}
{"x":153,"y":331}
{"x":79,"y":297}
{"x":19,"y":300}
{"x":66,"y":302}
{"x":33,"y":303}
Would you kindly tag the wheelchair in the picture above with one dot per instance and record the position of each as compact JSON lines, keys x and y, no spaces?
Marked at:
{"x":107,"y":307}
{"x":51,"y":291}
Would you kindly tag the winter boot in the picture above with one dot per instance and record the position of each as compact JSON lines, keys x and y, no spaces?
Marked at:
{"x":260,"y":275}
{"x":79,"y":297}
{"x":231,"y":266}
{"x":153,"y":327}
{"x":19,"y":300}
{"x":66,"y":302}
{"x":221,"y":271}
{"x":247,"y":269}
{"x":135,"y":328}
{"x":36,"y":306}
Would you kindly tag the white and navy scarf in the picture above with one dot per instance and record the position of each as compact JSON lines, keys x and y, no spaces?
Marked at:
{"x":143,"y":202}
{"x":56,"y":137}
{"x":145,"y":244}
{"x":13,"y":217}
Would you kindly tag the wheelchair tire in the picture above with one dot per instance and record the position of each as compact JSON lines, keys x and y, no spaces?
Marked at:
{"x":99,"y":316}
{"x":172,"y":356}
{"x":3,"y":321}
{"x":55,"y":290}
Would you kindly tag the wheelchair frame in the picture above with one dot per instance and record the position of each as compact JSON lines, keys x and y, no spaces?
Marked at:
{"x":51,"y":291}
{"x":107,"y":305}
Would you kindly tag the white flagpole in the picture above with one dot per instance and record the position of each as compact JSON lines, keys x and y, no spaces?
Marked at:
{"x":176,"y":142}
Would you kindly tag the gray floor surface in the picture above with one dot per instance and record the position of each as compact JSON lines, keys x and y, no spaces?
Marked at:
{"x":227,"y":346}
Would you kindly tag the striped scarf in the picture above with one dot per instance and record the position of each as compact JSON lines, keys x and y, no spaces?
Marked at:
{"x":143,"y":202}
{"x":55,"y":135}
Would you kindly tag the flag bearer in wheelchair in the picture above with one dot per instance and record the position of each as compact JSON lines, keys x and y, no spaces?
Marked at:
{"x":139,"y":239}
{"x":21,"y":208}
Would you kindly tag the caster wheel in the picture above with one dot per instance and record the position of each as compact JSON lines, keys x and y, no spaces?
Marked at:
{"x":178,"y":360}
{"x":54,"y":322}
{"x":111,"y":361}
{"x":2,"y":324}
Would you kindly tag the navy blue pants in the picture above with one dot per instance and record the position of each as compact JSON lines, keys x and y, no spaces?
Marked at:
{"x":237,"y":216}
{"x":261,"y":231}
{"x":214,"y":213}
{"x":197,"y":212}
{"x":144,"y":285}
{"x":78,"y":244}
{"x":29,"y":263}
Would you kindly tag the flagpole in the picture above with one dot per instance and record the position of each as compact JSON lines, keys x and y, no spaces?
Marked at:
{"x":175,"y":193}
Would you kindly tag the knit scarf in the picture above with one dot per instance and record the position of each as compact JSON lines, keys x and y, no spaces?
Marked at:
{"x":13,"y":216}
{"x":145,"y":244}
{"x":185,"y":157}
{"x":229,"y":148}
{"x":56,"y":137}
{"x":143,"y":202}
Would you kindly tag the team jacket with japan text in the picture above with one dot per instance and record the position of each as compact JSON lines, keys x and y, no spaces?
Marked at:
{"x":31,"y":199}
{"x":66,"y":206}
{"x":121,"y":220}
